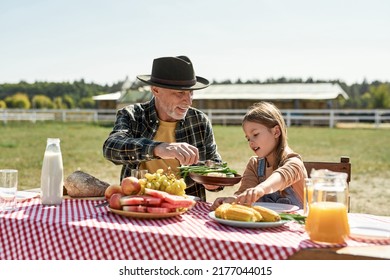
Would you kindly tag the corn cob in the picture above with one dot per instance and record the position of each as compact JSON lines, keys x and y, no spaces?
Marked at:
{"x":268,"y":215}
{"x":220,"y":212}
{"x":256,"y":215}
{"x":239,"y":214}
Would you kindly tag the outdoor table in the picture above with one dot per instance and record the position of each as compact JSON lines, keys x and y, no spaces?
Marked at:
{"x":77,"y":230}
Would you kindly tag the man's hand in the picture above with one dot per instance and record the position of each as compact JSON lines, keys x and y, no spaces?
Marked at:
{"x":185,"y":153}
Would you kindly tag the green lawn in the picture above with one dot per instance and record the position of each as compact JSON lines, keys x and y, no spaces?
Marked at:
{"x":22,"y":146}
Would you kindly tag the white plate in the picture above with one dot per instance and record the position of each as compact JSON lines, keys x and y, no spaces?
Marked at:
{"x":367,"y":232}
{"x":246,"y":224}
{"x":24,"y":195}
{"x":278,"y":207}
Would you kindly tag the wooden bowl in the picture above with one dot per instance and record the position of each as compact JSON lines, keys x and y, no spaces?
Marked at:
{"x":214,"y":180}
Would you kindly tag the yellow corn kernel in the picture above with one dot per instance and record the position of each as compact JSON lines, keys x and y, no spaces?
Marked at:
{"x":268,"y":215}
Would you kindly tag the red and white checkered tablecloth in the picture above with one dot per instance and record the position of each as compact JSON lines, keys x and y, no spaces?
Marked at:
{"x":78,"y":230}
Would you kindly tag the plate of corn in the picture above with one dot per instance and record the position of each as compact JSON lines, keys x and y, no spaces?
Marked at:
{"x":246,"y":216}
{"x":243,"y":224}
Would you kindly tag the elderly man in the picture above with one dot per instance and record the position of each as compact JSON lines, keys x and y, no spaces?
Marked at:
{"x":166,"y":131}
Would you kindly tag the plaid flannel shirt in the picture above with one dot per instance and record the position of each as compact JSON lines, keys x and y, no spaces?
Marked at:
{"x":131,"y":140}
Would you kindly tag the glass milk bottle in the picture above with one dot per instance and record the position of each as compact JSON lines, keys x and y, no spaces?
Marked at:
{"x":327,"y":221}
{"x":52,"y":178}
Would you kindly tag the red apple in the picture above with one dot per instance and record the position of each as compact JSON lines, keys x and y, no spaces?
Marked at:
{"x":115,"y":201}
{"x":130,"y":186}
{"x":111,"y":190}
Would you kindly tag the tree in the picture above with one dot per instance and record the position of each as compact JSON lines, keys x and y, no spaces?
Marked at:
{"x":58,"y":104}
{"x":42,"y":102}
{"x":378,"y":97}
{"x":87,"y":103}
{"x":18,"y":100}
{"x":68,"y":101}
{"x":2,"y":104}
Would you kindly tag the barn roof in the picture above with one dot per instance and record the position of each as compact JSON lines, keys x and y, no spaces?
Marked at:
{"x":128,"y":95}
{"x":319,"y":91}
{"x":108,"y":96}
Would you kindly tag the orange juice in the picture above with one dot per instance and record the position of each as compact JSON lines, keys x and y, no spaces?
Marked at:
{"x":327,"y":222}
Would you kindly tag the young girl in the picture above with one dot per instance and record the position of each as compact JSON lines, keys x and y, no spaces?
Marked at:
{"x":276,"y":173}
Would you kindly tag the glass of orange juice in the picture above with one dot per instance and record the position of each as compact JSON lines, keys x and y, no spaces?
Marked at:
{"x":327,"y":220}
{"x":307,"y":195}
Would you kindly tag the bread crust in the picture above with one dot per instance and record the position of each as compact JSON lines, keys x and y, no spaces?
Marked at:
{"x":81,"y":184}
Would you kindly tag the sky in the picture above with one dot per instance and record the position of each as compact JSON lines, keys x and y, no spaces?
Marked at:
{"x":106,"y":41}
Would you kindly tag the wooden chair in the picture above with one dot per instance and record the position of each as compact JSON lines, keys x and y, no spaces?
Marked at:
{"x":343,"y":166}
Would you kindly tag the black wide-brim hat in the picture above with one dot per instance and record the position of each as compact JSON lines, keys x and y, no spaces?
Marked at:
{"x":174,"y":73}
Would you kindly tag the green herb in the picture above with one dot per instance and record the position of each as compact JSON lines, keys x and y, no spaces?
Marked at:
{"x":203,"y":169}
{"x":293,"y":217}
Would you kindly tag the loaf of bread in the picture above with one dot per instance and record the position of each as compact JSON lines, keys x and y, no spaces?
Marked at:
{"x":81,"y":184}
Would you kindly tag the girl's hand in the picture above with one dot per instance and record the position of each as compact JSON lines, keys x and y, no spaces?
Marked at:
{"x":250,"y":196}
{"x":221,"y":200}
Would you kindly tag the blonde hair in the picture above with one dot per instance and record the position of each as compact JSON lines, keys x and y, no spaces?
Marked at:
{"x":269,"y":115}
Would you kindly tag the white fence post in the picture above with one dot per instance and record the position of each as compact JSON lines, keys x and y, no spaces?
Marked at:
{"x":5,"y":116}
{"x":331,"y":119}
{"x":34,"y":117}
{"x":288,"y":118}
{"x":95,"y":116}
{"x":377,"y":118}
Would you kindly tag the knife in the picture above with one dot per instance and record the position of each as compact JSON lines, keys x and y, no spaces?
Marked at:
{"x":102,"y":204}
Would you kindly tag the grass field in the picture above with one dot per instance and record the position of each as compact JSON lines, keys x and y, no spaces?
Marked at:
{"x":22,"y":147}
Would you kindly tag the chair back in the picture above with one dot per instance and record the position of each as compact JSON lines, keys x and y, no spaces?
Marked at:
{"x":343,"y":166}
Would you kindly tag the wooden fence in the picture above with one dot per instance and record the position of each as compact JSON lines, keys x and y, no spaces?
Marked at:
{"x":309,"y":117}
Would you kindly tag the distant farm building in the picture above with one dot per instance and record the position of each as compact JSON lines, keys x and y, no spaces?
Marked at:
{"x":284,"y":96}
{"x":241,"y":96}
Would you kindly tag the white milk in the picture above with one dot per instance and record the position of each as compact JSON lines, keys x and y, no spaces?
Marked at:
{"x":52,"y":179}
